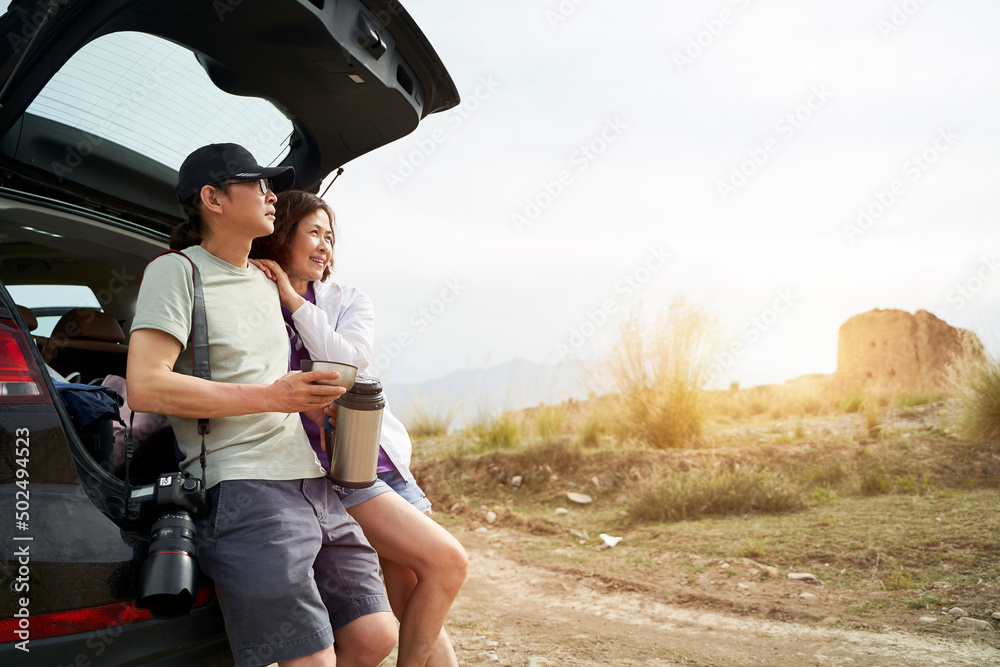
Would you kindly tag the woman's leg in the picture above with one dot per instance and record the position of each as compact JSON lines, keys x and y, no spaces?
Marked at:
{"x":399,"y":584}
{"x":406,"y":539}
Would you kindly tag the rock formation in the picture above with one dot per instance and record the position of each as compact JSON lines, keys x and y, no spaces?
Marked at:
{"x":893,"y":347}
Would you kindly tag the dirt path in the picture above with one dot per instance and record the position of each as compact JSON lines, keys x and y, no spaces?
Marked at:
{"x":512,"y":612}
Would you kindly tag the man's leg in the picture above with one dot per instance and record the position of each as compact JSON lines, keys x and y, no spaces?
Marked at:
{"x":365,"y":641}
{"x":325,"y":658}
{"x":346,"y":572}
{"x":258,"y":544}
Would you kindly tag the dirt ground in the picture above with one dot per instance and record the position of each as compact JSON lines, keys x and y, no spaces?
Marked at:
{"x":552,"y":612}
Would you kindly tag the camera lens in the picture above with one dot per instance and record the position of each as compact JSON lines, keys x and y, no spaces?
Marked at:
{"x":169,"y":577}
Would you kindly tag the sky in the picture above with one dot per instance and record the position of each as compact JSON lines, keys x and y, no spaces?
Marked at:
{"x":786,"y":165}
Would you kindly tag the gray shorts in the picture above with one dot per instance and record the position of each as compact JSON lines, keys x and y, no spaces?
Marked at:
{"x":290,"y":566}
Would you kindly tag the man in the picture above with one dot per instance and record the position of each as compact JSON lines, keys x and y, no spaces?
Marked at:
{"x":292,"y":570}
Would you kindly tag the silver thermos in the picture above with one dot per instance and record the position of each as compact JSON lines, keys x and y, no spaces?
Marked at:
{"x":352,"y":446}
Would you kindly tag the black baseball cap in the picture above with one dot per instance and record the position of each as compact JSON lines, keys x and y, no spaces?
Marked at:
{"x":215,"y":163}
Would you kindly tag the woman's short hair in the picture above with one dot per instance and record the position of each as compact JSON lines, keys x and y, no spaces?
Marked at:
{"x":291,"y":207}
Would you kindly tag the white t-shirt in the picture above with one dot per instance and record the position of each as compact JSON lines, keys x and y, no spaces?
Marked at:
{"x":247,"y":345}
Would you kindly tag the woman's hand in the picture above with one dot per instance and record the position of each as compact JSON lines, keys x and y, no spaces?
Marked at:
{"x":290,"y":299}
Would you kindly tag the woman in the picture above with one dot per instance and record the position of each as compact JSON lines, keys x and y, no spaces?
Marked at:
{"x":423,"y":565}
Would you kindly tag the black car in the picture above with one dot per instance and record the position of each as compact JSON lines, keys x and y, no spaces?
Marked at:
{"x":101,"y":100}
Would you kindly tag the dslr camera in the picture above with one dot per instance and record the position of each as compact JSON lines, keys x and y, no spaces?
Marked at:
{"x":169,"y":577}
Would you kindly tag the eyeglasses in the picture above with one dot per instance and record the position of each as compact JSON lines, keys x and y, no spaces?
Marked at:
{"x":263,"y":183}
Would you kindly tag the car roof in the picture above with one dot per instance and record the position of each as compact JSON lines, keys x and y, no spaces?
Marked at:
{"x":343,"y":77}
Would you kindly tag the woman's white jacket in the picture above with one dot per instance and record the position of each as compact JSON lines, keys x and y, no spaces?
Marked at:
{"x":341,"y":327}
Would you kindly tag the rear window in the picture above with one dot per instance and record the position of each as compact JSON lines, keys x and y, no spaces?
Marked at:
{"x":49,"y":302}
{"x":152,"y":96}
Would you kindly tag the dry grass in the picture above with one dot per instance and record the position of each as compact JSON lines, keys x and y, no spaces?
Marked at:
{"x":724,"y":491}
{"x":976,"y":378}
{"x":424,"y":421}
{"x":659,"y":375}
{"x":795,"y":505}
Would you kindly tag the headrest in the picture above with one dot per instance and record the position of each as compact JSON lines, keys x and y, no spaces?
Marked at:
{"x":90,"y":324}
{"x":29,"y":318}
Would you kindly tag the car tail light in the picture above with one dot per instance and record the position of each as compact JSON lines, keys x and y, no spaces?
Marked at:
{"x":91,"y":619}
{"x":20,"y":380}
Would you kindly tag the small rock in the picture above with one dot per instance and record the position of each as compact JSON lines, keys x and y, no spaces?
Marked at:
{"x":975,"y":623}
{"x":754,"y":565}
{"x":927,"y":619}
{"x":996,"y":615}
{"x":940,"y":585}
{"x":537,"y":662}
{"x":724,"y":566}
{"x":481,"y":529}
{"x":804,"y":577}
{"x":955,"y":611}
{"x":582,"y":534}
{"x":561,"y":511}
{"x":830,"y":620}
{"x":620,"y":499}
{"x":579,"y":498}
{"x":455,"y":507}
{"x":807,"y":595}
{"x":636,"y":476}
{"x":596,"y":482}
{"x":492,"y":657}
{"x":515,"y":481}
{"x":743,"y":586}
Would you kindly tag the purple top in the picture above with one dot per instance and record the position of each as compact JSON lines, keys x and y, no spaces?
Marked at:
{"x":298,"y":353}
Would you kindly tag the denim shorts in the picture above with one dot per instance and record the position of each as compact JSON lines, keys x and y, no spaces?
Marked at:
{"x":386,"y":482}
{"x":290,"y":567}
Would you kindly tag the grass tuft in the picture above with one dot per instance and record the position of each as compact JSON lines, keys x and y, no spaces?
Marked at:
{"x":715,"y":492}
{"x":978,"y":386}
{"x":549,"y":421}
{"x":497,"y":433}
{"x":425,"y":422}
{"x":660,"y":372}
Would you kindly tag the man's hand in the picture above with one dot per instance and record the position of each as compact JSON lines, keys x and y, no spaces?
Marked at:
{"x":298,"y":391}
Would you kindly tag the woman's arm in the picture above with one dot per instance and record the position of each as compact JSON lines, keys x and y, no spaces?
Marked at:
{"x":331,"y":331}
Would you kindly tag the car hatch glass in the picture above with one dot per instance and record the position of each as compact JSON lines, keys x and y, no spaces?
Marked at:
{"x":49,"y":302}
{"x":153,"y":97}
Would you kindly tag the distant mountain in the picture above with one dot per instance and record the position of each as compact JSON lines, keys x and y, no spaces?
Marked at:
{"x":468,"y":394}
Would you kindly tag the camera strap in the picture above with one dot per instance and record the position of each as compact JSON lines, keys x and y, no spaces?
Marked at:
{"x":199,"y":361}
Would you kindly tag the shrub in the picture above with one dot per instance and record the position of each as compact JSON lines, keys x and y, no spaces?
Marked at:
{"x":715,"y":492}
{"x":916,"y":398}
{"x":592,"y":430}
{"x":875,"y":483}
{"x":549,"y":421}
{"x":496,"y":433}
{"x":853,"y":402}
{"x":660,"y":373}
{"x":977,"y":380}
{"x":425,"y":422}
